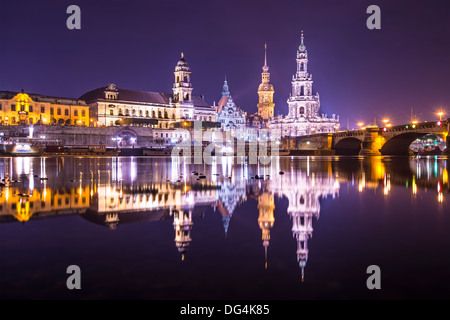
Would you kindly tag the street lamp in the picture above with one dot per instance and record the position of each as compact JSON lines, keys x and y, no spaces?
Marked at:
{"x":440,"y":114}
{"x":360,"y":124}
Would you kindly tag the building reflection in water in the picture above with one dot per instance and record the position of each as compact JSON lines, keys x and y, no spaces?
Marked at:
{"x":114,"y":191}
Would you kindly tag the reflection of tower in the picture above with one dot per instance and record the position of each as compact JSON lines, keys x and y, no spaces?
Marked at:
{"x":266,"y":205}
{"x":302,"y":231}
{"x":112,"y":220}
{"x":182,"y":221}
{"x":304,"y":192}
{"x":229,"y":197}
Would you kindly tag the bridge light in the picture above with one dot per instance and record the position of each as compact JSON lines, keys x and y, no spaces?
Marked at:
{"x":439,"y":123}
{"x":413,"y":126}
{"x":440,"y":114}
{"x":407,"y":127}
{"x":384,"y":129}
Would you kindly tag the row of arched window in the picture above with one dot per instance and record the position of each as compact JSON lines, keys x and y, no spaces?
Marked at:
{"x":140,"y":113}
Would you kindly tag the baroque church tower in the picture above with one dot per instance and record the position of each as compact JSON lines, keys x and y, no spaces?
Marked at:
{"x":182,"y":89}
{"x":265,"y":92}
{"x":302,"y":103}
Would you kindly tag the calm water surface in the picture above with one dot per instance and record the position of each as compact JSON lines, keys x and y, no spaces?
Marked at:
{"x":151,"y":228}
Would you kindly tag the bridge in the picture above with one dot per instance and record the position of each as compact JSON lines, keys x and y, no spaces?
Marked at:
{"x":372,"y":140}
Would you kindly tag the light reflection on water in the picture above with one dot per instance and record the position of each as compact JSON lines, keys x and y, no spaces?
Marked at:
{"x":116,"y":192}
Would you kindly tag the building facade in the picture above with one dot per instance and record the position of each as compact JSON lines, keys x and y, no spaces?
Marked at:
{"x":230,"y":116}
{"x":20,"y":108}
{"x":304,"y":105}
{"x":111,"y":106}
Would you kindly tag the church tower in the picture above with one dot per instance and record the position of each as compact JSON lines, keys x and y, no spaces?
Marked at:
{"x":182,"y":88}
{"x":302,"y":103}
{"x":265,"y":92}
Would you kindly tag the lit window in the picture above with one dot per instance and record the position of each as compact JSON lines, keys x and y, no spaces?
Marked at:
{"x":83,"y":113}
{"x":75,"y":113}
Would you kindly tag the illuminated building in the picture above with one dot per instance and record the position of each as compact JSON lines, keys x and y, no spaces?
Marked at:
{"x":265,"y":92}
{"x":20,"y":108}
{"x":112,"y":106}
{"x":230,"y":116}
{"x":304,"y":105}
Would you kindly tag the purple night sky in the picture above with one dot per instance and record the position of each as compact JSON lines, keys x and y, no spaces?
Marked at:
{"x":359,"y":73}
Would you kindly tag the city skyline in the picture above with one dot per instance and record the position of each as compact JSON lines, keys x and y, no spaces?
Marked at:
{"x":370,"y":73}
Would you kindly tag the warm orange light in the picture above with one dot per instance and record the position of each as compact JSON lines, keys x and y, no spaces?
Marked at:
{"x":385,"y":120}
{"x":414,"y":122}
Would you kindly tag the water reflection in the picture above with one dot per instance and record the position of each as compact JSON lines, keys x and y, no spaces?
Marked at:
{"x":115,"y":191}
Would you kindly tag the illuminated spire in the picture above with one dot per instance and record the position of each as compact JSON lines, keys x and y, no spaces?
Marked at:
{"x":225,"y":89}
{"x":302,"y":47}
{"x":265,"y":67}
{"x":182,"y":55}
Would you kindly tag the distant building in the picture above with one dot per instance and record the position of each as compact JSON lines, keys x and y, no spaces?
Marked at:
{"x":112,"y":106}
{"x":304,"y":105}
{"x":230,"y":116}
{"x":20,"y":108}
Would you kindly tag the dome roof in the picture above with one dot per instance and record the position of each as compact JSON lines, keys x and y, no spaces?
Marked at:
{"x":182,"y":64}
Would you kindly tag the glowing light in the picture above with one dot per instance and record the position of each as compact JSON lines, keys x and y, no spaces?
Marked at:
{"x":386,"y":184}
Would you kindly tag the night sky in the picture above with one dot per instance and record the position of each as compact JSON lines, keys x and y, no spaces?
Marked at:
{"x":359,"y":73}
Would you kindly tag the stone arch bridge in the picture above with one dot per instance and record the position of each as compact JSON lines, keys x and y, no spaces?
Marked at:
{"x":372,"y":140}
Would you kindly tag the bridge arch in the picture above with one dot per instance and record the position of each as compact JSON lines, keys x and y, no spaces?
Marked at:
{"x":348,"y":147}
{"x":127,"y":137}
{"x":399,"y":144}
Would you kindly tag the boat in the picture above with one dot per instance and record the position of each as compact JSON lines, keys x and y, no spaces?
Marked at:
{"x":156,"y":152}
{"x":89,"y":150}
{"x":22,"y":146}
{"x":428,"y":150}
